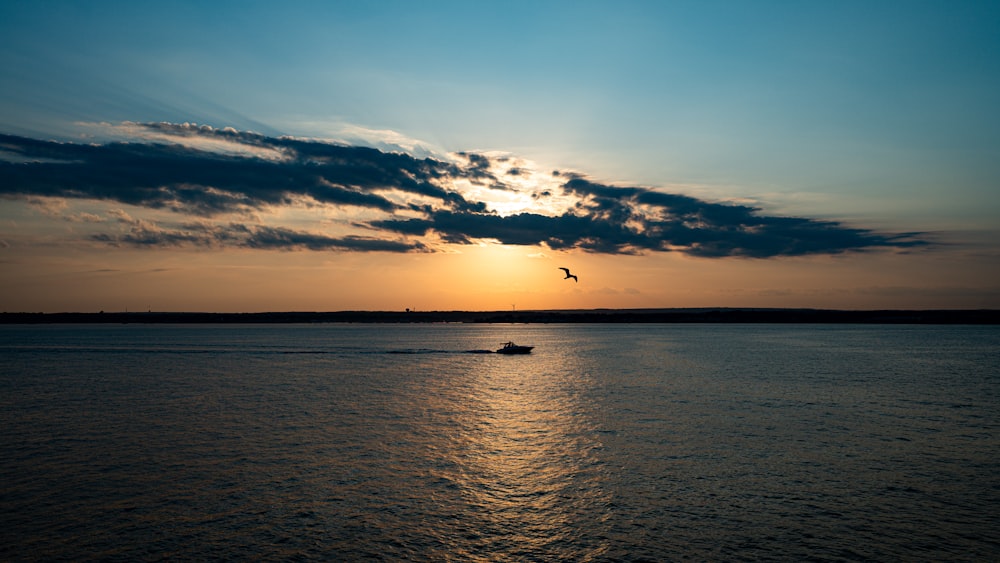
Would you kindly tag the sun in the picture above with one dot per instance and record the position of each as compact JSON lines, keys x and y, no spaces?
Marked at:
{"x":504,"y":266}
{"x":517,"y":186}
{"x":493,"y":276}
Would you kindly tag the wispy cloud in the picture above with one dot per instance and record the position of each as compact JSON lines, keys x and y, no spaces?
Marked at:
{"x":408,"y":204}
{"x":146,"y":234}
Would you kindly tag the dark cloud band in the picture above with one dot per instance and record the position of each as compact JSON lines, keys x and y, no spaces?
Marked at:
{"x":276,"y":171}
{"x":249,"y":236}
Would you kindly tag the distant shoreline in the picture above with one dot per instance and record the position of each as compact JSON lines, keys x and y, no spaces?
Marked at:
{"x":700,"y":315}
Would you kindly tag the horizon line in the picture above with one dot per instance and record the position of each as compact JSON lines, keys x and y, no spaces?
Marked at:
{"x":597,"y":315}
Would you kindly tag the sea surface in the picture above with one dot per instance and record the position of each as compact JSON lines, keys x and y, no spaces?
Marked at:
{"x":348,"y":442}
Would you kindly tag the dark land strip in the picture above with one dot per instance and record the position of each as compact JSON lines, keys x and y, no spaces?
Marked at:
{"x":704,"y":315}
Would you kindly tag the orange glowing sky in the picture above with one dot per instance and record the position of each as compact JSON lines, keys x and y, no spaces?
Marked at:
{"x":452,"y":156}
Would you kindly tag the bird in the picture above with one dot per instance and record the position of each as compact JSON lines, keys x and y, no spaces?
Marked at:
{"x":569,"y":275}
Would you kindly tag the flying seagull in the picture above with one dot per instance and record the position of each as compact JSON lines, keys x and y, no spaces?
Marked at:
{"x":569,"y":275}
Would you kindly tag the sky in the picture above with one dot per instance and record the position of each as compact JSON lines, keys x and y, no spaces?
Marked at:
{"x":389,"y":155}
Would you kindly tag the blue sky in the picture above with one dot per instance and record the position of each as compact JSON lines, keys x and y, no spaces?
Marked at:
{"x":876,"y":115}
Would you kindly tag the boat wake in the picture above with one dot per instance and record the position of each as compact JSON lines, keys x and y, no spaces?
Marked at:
{"x":432,"y":351}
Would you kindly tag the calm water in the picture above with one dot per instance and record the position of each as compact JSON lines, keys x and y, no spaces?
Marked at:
{"x":608,"y":443}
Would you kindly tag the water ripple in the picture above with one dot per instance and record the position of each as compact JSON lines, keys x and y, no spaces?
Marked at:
{"x":786,"y":443}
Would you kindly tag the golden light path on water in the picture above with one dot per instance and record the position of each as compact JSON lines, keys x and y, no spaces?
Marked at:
{"x":522,"y":457}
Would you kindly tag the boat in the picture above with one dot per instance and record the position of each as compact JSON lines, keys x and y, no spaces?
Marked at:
{"x":511,"y":348}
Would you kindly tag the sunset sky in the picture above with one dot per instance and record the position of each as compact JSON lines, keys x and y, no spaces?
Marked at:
{"x":384,"y":155}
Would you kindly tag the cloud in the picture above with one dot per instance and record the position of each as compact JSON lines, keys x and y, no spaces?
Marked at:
{"x":52,"y":207}
{"x":662,"y":221}
{"x":401,"y":203}
{"x":189,"y":178}
{"x":617,"y":220}
{"x":57,"y":208}
{"x":147,"y":234}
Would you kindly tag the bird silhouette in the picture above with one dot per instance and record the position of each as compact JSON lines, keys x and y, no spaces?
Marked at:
{"x":569,"y":275}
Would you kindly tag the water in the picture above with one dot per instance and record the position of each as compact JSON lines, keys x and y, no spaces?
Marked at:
{"x":607,"y":443}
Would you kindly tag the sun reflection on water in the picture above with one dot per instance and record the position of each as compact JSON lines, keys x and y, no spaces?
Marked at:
{"x":525,"y":460}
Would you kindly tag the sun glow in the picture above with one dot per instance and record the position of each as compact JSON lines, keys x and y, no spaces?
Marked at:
{"x":520,"y":188}
{"x":503,"y":268}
